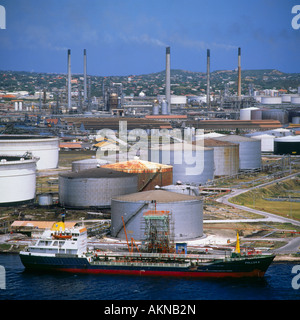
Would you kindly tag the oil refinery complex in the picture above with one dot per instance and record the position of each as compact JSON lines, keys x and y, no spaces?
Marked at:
{"x":112,"y":158}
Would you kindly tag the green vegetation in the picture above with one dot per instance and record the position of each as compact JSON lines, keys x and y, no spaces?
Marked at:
{"x":256,"y":199}
{"x":182,"y":82}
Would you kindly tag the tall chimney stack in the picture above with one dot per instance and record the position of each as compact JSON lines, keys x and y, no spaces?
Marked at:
{"x":168,"y":79}
{"x":239,"y":74}
{"x":69,"y":80}
{"x":208,"y":79}
{"x":84,"y":77}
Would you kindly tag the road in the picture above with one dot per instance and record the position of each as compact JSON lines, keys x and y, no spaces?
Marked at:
{"x":293,"y":245}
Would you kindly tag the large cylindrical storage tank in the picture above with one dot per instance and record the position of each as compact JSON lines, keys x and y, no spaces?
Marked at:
{"x":46,"y":199}
{"x":43,"y":147}
{"x":267,"y":141}
{"x":245,"y":114}
{"x":155,"y":110}
{"x":295,"y":100}
{"x":187,"y":213}
{"x":177,"y":100}
{"x":296,"y":120}
{"x":275,"y":114}
{"x":287,"y":145}
{"x":164,"y":107}
{"x":226,"y":156}
{"x":17,"y":179}
{"x":256,"y":114}
{"x":249,"y":151}
{"x":293,"y":113}
{"x":286,"y":98}
{"x":94,"y":187}
{"x":150,"y":174}
{"x":87,"y":164}
{"x":192,"y":163}
{"x":271,"y":100}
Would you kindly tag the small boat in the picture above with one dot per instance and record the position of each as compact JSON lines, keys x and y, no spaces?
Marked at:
{"x":62,"y":236}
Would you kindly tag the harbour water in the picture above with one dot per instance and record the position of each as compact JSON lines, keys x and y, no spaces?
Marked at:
{"x":24,"y":285}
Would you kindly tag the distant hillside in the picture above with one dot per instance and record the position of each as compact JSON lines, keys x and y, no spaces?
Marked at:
{"x":182,"y":81}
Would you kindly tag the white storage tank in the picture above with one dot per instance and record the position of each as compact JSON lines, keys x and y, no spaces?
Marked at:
{"x":46,"y":199}
{"x":43,"y":147}
{"x":17,"y":179}
{"x":286,"y":98}
{"x":191,"y":163}
{"x":267,"y":141}
{"x":187,"y":213}
{"x":178,"y":100}
{"x":245,"y":114}
{"x":249,"y":151}
{"x":295,"y":100}
{"x":226,"y":156}
{"x":87,"y":164}
{"x":271,"y":100}
{"x":94,"y":187}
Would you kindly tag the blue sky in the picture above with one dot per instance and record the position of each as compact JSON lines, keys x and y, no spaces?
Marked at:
{"x":129,"y":37}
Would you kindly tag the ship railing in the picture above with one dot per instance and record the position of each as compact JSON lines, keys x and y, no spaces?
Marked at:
{"x":141,"y":264}
{"x":162,"y":256}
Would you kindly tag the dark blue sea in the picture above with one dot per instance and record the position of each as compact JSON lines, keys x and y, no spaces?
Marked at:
{"x":24,"y":285}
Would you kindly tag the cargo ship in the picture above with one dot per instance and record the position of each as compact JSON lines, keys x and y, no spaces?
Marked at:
{"x":62,"y":249}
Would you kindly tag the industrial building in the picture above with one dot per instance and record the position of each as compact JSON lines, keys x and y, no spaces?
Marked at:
{"x":186,"y":213}
{"x":44,"y":148}
{"x":17,"y":179}
{"x":94,"y":187}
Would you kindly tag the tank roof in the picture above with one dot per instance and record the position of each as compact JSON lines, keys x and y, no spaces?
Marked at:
{"x":288,"y":139}
{"x":217,"y":143}
{"x":160,"y":196}
{"x":7,"y":159}
{"x":138,"y":165}
{"x":96,"y":173}
{"x":181,"y":146}
{"x":235,"y":138}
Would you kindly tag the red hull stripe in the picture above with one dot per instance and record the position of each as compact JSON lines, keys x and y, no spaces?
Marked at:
{"x":254,"y":273}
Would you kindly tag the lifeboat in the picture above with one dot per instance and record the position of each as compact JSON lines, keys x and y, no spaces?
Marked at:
{"x":62,"y":236}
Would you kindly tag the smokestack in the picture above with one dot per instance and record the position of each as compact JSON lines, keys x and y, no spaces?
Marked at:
{"x":168,"y":79}
{"x":69,"y":80}
{"x":208,"y":79}
{"x":239,"y":74}
{"x":84,"y":76}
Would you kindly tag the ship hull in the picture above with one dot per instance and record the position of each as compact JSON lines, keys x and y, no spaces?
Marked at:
{"x":247,"y":267}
